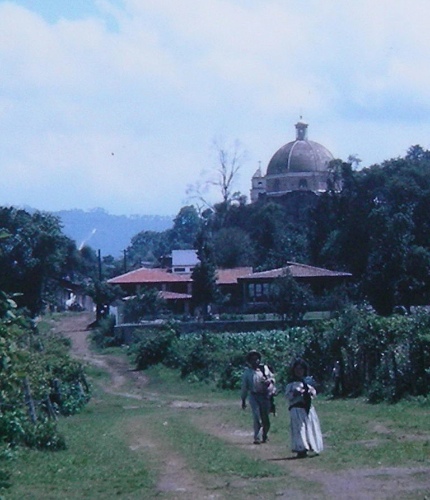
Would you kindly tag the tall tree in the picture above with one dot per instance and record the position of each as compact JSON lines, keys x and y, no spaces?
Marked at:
{"x":147,"y":247}
{"x":186,"y":226}
{"x":35,"y":256}
{"x":376,"y":227}
{"x":205,"y":290}
{"x":288,"y":298}
{"x":233,"y":248}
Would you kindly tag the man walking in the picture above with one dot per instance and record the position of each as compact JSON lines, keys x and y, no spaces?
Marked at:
{"x":258,"y":383}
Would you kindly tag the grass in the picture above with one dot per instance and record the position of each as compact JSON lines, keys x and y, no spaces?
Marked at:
{"x":110,"y":454}
{"x":97,"y":462}
{"x":363,"y":435}
{"x":357,"y":434}
{"x":210,"y":455}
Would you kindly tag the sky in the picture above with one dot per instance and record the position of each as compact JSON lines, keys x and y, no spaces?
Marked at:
{"x":123,"y":104}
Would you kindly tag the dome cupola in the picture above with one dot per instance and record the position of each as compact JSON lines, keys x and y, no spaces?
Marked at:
{"x":300,"y":165}
{"x":301,"y":155}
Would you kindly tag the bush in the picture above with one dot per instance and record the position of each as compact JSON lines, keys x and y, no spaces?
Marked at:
{"x":44,"y":436}
{"x":230,"y":376}
{"x":383,"y":358}
{"x":153,"y":349}
{"x":36,"y":368}
{"x":104,"y":334}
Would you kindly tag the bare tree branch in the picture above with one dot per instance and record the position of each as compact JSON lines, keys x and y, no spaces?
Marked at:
{"x":222,"y":176}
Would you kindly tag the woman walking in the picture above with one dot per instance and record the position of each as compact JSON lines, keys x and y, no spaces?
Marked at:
{"x":305,"y":426}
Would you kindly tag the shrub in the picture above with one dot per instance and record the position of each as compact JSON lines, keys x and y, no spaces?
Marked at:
{"x":104,"y":334}
{"x":34,"y":367}
{"x":383,"y":358}
{"x":44,"y":436}
{"x":230,"y":376}
{"x":153,"y":349}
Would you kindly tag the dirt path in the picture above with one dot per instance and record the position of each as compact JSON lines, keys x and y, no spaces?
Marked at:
{"x":174,"y":478}
{"x":76,"y":328}
{"x":177,"y":481}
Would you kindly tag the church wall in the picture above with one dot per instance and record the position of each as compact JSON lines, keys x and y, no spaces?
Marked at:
{"x":301,"y":181}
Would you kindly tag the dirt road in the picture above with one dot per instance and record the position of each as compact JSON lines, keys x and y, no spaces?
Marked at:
{"x":173,"y":476}
{"x":177,"y":481}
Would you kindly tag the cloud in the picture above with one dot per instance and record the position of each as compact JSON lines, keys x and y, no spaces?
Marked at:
{"x":154,"y":84}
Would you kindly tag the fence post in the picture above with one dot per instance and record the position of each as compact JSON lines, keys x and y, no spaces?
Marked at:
{"x":29,"y":401}
{"x":51,"y":411}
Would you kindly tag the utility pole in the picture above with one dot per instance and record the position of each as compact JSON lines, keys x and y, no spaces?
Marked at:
{"x":98,"y":294}
{"x":100,"y":265}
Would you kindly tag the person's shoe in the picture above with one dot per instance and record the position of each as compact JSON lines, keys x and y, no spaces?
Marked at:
{"x":257,"y":441}
{"x":302,"y":454}
{"x":265,"y":439}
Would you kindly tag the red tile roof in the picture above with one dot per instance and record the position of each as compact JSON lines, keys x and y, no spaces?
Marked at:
{"x":230,"y":276}
{"x":297,"y":271}
{"x":224,"y":276}
{"x":147,"y":275}
{"x":158,"y":275}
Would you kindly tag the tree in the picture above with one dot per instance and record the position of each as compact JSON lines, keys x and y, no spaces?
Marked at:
{"x":34,"y":256}
{"x":147,"y":304}
{"x":205,"y":289}
{"x":103,"y":295}
{"x":289,"y":299}
{"x":391,"y":242}
{"x":222,"y":176}
{"x":376,"y":227}
{"x":417,"y":153}
{"x":413,"y":286}
{"x":354,"y":160}
{"x":268,"y":229}
{"x":186,"y":226}
{"x":230,"y":161}
{"x":233,"y":248}
{"x":147,"y":247}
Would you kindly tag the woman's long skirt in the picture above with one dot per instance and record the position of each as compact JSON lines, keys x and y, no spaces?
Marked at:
{"x":305,"y":431}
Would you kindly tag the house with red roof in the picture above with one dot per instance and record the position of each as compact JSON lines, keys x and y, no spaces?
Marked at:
{"x":243,"y":288}
{"x":255,"y":287}
{"x":176,"y":287}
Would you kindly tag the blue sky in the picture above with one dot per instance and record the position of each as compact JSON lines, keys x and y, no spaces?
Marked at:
{"x":117,"y":103}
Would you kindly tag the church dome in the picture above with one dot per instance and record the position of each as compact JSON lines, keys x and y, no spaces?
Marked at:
{"x":300,"y":155}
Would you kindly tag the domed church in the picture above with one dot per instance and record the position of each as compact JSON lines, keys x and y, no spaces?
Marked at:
{"x":300,"y":165}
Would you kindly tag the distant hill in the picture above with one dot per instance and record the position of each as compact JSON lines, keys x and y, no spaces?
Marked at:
{"x":110,"y":234}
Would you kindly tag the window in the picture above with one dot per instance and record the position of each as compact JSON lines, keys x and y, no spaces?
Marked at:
{"x":179,"y":269}
{"x":303,"y":184}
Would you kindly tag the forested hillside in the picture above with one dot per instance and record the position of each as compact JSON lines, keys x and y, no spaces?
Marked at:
{"x":109,"y":233}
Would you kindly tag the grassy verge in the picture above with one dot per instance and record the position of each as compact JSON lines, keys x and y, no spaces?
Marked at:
{"x":97,"y":464}
{"x":383,"y":435}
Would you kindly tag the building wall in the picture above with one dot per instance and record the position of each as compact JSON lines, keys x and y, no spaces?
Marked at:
{"x":296,"y":181}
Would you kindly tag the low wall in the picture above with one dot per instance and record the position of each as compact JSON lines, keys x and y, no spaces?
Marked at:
{"x":129,"y":333}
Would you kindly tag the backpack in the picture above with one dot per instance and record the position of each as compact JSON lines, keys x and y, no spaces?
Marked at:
{"x":270,"y":379}
{"x":271,"y":388}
